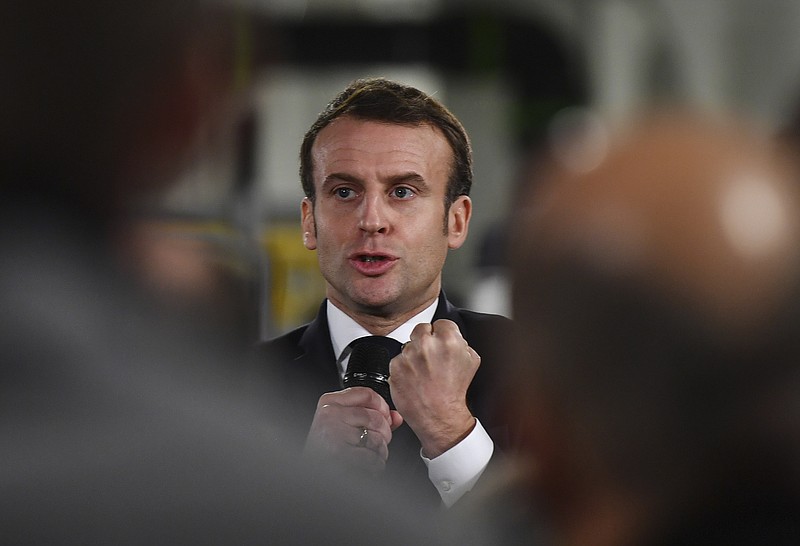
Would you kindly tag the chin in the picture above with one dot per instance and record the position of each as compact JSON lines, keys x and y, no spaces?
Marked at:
{"x":376,"y":304}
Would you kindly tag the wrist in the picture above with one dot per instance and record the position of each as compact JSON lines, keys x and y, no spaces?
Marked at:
{"x":449,"y":435}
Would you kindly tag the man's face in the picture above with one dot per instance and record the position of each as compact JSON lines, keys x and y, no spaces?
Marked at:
{"x":378,"y":221}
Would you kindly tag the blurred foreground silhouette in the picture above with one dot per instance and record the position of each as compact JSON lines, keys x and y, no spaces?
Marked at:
{"x":655,"y":371}
{"x":122,"y":422}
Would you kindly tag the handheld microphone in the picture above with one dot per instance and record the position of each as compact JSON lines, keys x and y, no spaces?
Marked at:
{"x":369,"y":367}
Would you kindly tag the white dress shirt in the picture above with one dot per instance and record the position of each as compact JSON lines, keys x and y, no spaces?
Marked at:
{"x":455,"y":471}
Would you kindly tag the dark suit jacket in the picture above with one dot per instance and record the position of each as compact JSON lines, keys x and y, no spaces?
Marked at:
{"x":304,"y":359}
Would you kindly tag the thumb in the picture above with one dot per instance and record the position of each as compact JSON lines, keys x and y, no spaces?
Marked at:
{"x":396,"y":418}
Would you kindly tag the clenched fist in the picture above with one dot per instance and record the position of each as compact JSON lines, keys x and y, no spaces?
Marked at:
{"x":429,"y":381}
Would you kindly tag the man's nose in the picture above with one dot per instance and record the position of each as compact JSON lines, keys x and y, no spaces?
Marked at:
{"x":373,"y":213}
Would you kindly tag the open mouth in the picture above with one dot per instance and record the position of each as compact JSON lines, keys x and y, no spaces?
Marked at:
{"x":371,"y":259}
{"x":372,"y":265}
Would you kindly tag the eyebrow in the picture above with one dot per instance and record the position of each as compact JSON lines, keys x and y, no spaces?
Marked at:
{"x":409,"y":177}
{"x":340,"y":177}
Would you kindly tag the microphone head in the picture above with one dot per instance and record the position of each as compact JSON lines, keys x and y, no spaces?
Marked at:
{"x":369,"y":367}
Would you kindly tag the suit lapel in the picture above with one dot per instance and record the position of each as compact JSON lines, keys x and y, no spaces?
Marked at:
{"x":446,"y":310}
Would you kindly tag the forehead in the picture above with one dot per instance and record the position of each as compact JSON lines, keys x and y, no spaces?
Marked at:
{"x":364,"y":148}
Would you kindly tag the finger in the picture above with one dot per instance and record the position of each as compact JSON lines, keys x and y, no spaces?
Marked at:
{"x":378,"y":427}
{"x":397,"y":419}
{"x":447,"y":333}
{"x":334,"y":420}
{"x":358,"y":418}
{"x":444,"y":327}
{"x":363,"y":438}
{"x":370,"y":457}
{"x":361,"y":459}
{"x":355,"y":397}
{"x":369,"y":439}
{"x":421,"y":330}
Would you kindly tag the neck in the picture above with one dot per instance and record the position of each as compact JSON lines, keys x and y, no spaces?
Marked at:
{"x":379,"y":323}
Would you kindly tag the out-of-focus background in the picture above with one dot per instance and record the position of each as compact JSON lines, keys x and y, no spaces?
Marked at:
{"x":518,"y":73}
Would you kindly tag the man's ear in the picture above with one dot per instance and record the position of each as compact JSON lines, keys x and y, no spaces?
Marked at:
{"x":458,"y":221}
{"x":308,"y":223}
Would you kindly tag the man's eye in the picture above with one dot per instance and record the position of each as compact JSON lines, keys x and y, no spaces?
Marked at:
{"x":343,"y":193}
{"x":403,"y":192}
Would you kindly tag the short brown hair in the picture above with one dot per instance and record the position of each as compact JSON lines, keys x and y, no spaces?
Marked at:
{"x":382,"y":100}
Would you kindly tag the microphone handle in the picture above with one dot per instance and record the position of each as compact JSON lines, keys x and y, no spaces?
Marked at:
{"x":373,"y":380}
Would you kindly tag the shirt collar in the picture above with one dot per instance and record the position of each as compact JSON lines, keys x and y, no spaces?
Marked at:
{"x":344,"y":329}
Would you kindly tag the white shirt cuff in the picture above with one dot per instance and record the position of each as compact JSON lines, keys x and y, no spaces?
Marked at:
{"x":456,"y":471}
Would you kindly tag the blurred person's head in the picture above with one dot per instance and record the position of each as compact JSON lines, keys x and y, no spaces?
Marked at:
{"x":657,"y":306}
{"x":393,"y":103}
{"x":105,"y":105}
{"x":105,"y":100}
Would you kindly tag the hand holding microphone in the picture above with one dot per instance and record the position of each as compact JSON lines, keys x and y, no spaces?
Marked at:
{"x":355,"y":425}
